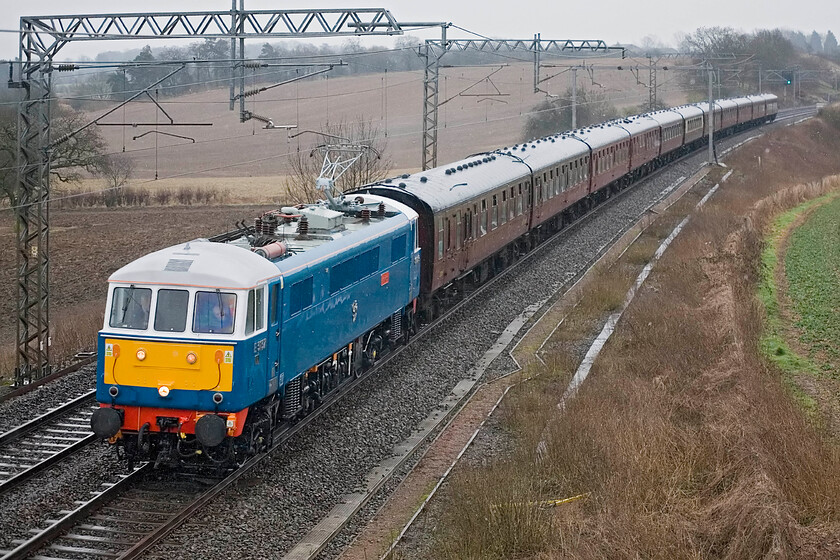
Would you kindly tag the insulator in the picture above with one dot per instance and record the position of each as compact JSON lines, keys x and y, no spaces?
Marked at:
{"x":250,"y":93}
{"x":258,"y":226}
{"x":254,"y":64}
{"x":366,"y":215}
{"x":67,"y":67}
{"x":303,"y":226}
{"x":269,"y":224}
{"x":381,"y":210}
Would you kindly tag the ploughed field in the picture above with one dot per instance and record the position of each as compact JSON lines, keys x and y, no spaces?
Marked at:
{"x":87,"y":245}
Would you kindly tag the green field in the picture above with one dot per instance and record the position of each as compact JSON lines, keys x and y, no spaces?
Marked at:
{"x":812,"y":267}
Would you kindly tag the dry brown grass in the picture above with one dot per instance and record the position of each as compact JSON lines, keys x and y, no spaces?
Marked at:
{"x":74,"y":329}
{"x":686,"y":438}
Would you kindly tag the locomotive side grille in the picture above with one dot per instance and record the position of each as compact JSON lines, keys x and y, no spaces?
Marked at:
{"x":396,"y":325}
{"x":291,"y":400}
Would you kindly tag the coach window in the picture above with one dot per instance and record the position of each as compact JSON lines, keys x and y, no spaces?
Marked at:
{"x":440,"y":238}
{"x":130,"y":308}
{"x":475,"y":222}
{"x":448,"y":234}
{"x":171,"y":310}
{"x":503,"y":216}
{"x":484,"y":217}
{"x":458,"y":233}
{"x":214,"y":312}
{"x":494,"y":218}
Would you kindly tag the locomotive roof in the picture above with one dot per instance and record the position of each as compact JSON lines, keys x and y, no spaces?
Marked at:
{"x":321,"y":245}
{"x":233,"y":265}
{"x":198,"y":263}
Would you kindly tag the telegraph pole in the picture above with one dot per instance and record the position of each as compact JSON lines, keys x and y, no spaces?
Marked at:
{"x":574,"y":98}
{"x":711,"y":118}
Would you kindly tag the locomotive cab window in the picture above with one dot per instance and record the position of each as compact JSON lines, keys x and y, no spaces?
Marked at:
{"x":171,"y":310}
{"x":255,"y":320}
{"x":130,"y":308}
{"x":214,"y":312}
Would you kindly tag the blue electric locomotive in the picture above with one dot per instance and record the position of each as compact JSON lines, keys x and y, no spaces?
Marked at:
{"x":208,"y":345}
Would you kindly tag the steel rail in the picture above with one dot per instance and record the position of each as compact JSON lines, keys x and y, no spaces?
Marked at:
{"x":44,"y":380}
{"x":56,"y":527}
{"x":24,"y":440}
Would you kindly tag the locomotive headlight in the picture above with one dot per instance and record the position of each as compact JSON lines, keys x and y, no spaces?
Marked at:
{"x":191,"y":358}
{"x":163,"y":391}
{"x":141,"y":354}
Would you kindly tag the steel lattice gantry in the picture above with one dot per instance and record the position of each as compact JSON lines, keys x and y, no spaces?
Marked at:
{"x":434,"y":49}
{"x":41,"y":38}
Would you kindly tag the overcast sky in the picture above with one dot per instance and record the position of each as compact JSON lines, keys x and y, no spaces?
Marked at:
{"x":611,"y":20}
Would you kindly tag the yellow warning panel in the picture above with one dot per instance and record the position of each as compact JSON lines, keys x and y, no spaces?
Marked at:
{"x":196,"y":367}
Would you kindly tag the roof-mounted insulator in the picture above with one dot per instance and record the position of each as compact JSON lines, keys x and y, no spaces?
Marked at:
{"x":381,"y":210}
{"x":365,"y":215}
{"x":303,"y":227}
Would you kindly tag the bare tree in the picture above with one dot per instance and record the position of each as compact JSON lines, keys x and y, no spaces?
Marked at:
{"x":553,"y":115}
{"x":714,"y":41}
{"x":305,"y":164}
{"x":116,"y":170}
{"x":69,"y":161}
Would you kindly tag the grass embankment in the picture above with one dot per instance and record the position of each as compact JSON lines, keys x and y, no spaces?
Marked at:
{"x":685,"y":436}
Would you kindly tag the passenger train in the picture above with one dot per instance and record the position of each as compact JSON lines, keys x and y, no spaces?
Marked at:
{"x":209,"y":345}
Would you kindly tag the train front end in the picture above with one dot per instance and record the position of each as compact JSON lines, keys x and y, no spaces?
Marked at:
{"x":179,"y":353}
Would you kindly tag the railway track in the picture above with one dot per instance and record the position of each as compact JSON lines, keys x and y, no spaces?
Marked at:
{"x":45,"y":441}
